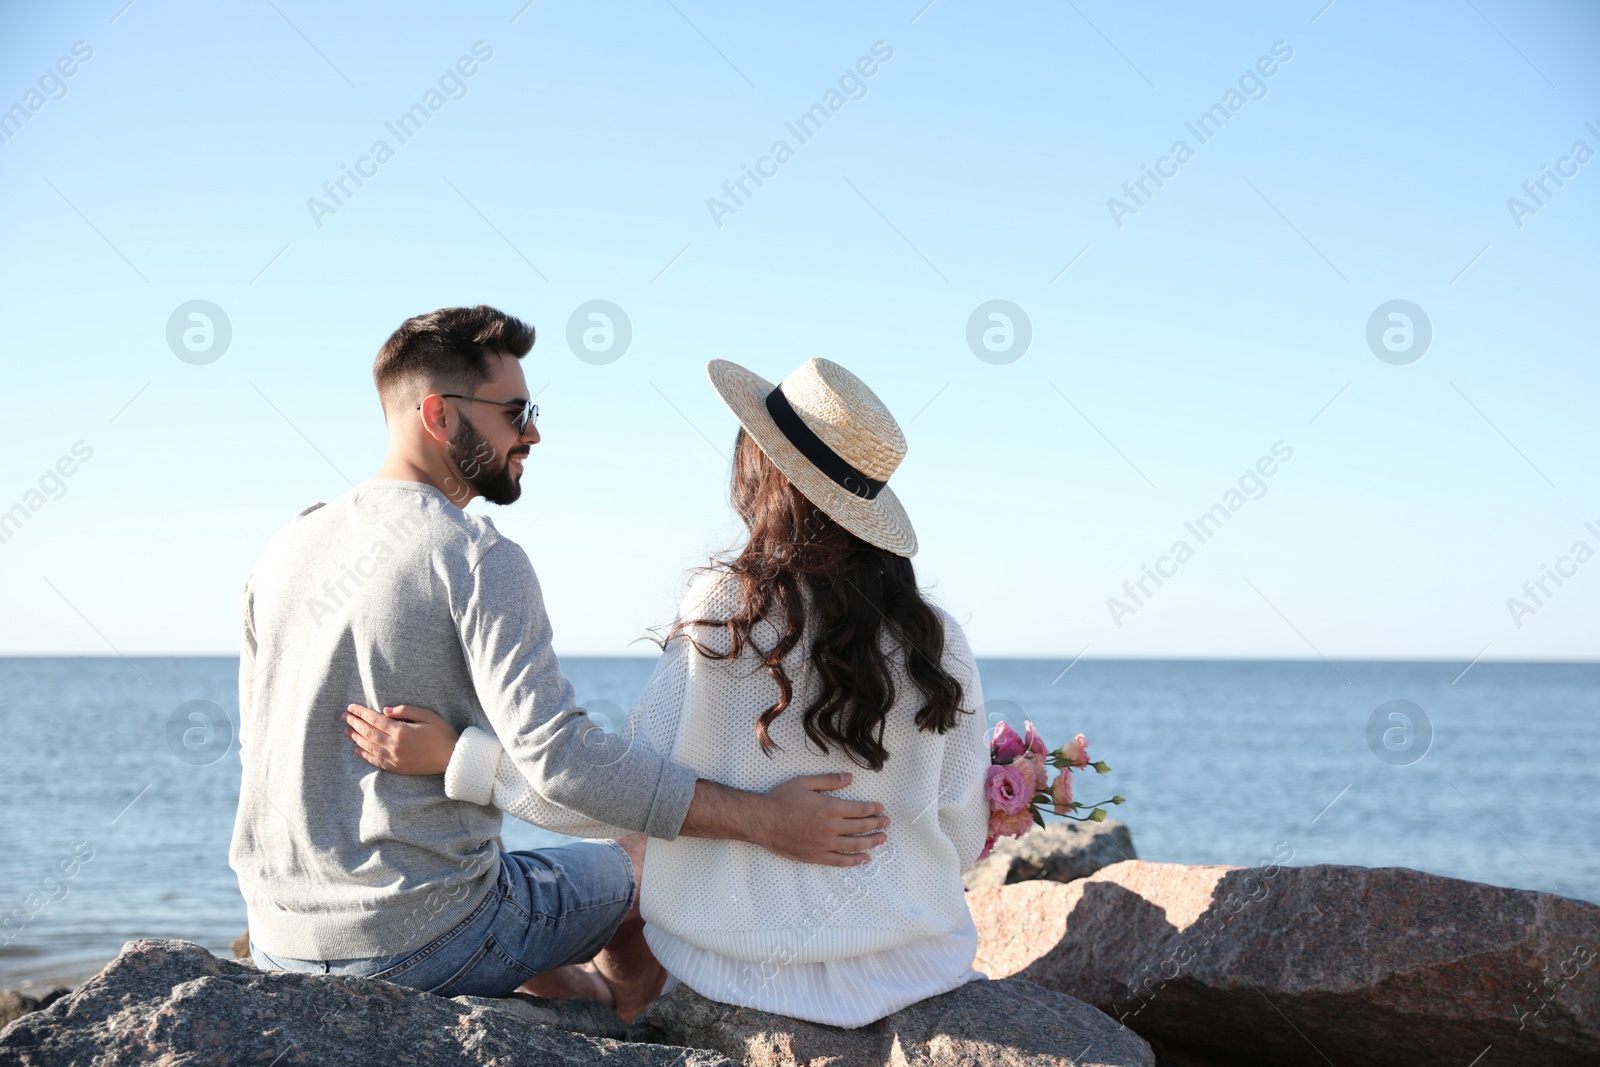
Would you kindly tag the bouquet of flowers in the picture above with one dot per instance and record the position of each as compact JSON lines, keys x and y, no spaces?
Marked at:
{"x":1019,"y":788}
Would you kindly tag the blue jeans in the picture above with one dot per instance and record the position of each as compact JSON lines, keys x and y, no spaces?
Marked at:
{"x":548,"y":908}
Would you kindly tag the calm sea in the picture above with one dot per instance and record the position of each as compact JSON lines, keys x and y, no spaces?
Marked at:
{"x":1488,"y":776}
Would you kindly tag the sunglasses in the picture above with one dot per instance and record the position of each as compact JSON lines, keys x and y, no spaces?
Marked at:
{"x":528,"y":416}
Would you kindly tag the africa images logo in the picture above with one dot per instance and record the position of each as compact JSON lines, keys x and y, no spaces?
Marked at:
{"x":1252,"y":85}
{"x":450,"y":86}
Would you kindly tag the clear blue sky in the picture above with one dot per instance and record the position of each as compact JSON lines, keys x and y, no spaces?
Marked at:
{"x":1227,"y":312}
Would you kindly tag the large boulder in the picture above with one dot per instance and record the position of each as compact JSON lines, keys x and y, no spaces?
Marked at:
{"x":173,"y":1002}
{"x":1281,"y":966}
{"x":1010,"y":1023}
{"x":1058,"y":852}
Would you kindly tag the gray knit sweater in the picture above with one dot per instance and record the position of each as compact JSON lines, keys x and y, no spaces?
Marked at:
{"x":392,"y":595}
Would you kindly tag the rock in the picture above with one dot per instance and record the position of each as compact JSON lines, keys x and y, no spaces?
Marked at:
{"x":1058,"y":852}
{"x":1309,"y":965}
{"x":241,"y":946}
{"x":987,"y":1024}
{"x":14,"y":1004}
{"x":573,"y":1014}
{"x":174,"y":1002}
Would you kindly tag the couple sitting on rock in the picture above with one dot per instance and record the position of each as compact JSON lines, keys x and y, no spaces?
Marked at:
{"x":807,"y":759}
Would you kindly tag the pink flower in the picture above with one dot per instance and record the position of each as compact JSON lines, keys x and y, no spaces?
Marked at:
{"x":1005,"y":745}
{"x":1038,"y":771}
{"x":1061,"y":793}
{"x":1032,"y":743}
{"x":1005,"y":824}
{"x":1008,"y":789}
{"x":1075,"y":752}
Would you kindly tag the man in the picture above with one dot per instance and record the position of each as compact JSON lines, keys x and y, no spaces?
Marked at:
{"x":393,"y":595}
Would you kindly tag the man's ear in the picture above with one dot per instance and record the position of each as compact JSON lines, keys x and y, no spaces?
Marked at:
{"x":435,"y":416}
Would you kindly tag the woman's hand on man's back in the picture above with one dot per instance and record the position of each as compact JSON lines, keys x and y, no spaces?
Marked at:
{"x":403,"y":739}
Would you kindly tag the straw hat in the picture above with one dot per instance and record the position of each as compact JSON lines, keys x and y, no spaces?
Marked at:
{"x":832,"y":437}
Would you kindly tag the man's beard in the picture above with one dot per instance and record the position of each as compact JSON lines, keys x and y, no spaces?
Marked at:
{"x":476,"y":460}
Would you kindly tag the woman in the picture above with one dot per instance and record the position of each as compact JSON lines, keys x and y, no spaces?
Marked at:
{"x":808,"y":651}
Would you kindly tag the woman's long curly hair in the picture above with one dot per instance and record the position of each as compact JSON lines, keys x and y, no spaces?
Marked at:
{"x":799,"y":561}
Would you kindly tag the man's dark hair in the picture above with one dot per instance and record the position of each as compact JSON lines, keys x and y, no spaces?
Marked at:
{"x":449,"y":348}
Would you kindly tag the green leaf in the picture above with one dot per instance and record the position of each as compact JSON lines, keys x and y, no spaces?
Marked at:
{"x":1036,"y":816}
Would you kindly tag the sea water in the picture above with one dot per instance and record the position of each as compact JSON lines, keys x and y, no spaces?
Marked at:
{"x":1487,"y":775}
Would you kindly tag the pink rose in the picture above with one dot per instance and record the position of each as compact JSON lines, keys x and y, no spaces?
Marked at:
{"x":1075,"y":753}
{"x":1061,"y":793}
{"x":1005,"y":745}
{"x":1006,"y":824}
{"x":1038,"y":771}
{"x":1008,"y":788}
{"x":1032,"y":742}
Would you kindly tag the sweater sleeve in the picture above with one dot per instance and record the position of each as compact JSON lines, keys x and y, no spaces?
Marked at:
{"x":963,"y":812}
{"x":563,"y":756}
{"x":247,"y":660}
{"x":480,"y":773}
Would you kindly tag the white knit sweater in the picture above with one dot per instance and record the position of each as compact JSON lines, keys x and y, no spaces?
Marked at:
{"x":836,"y":945}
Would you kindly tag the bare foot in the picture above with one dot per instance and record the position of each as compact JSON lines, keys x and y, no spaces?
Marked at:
{"x":633,"y":996}
{"x":577,"y":980}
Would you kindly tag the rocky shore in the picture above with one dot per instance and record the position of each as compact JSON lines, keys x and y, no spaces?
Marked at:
{"x":1094,"y":956}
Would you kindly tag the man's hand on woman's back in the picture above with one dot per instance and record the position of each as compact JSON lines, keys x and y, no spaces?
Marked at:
{"x":796,"y":820}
